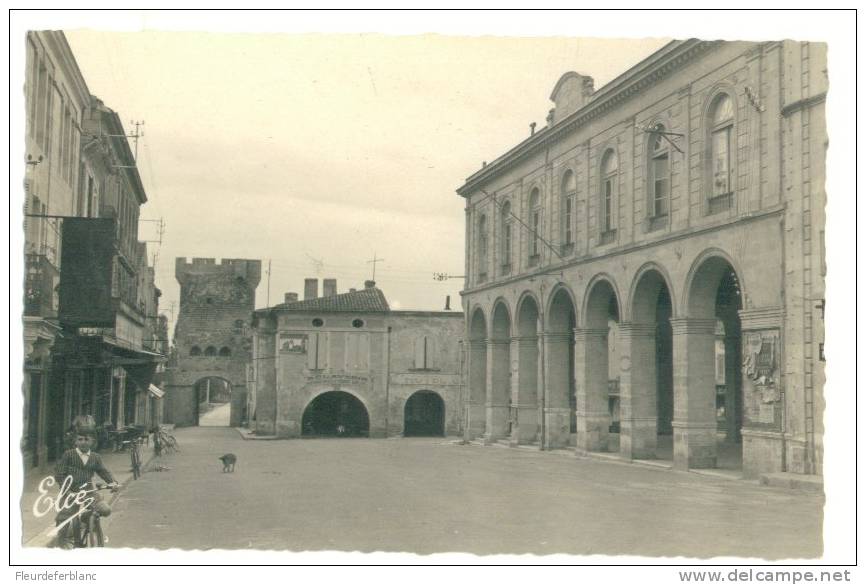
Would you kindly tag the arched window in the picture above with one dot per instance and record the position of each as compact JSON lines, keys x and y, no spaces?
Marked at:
{"x":658,"y":172}
{"x":609,"y":169}
{"x":505,"y":223}
{"x":535,"y":226}
{"x":721,"y":130}
{"x":195,"y":350}
{"x":482,"y":247}
{"x":225,"y":351}
{"x":568,"y":190}
{"x":210,"y":351}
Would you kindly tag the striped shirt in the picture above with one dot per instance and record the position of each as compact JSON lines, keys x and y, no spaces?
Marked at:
{"x":70,"y":464}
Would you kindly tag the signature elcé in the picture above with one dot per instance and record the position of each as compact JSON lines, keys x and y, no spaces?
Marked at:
{"x":65,"y":500}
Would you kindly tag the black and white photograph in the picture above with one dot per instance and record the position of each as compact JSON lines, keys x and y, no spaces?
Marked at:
{"x":421,"y":288}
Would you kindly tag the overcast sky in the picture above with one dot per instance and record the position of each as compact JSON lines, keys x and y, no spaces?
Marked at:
{"x":294,"y":148}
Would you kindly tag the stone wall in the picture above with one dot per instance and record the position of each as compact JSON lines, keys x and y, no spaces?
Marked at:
{"x":212,"y":336}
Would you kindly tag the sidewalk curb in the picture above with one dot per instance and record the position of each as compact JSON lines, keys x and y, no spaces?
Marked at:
{"x":248,"y":435}
{"x":43,"y":539}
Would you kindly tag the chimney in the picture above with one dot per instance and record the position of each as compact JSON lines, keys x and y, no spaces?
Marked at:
{"x":291,"y":297}
{"x":369,"y":284}
{"x":311,"y":288}
{"x":447,"y":302}
{"x":329,"y":287}
{"x":352,"y":290}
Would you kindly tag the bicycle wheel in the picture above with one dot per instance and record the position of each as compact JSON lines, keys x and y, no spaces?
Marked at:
{"x":136,"y":462}
{"x":94,"y":532}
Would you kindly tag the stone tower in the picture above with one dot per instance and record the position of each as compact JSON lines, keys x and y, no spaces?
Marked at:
{"x":212,"y":335}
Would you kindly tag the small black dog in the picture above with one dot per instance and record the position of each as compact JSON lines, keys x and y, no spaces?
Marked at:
{"x":229,"y":460}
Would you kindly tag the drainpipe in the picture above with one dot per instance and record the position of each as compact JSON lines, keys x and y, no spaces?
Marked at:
{"x":387,"y":377}
{"x":542,"y":439}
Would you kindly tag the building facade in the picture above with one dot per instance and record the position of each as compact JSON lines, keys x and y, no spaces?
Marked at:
{"x":347,"y":365}
{"x":655,"y":254}
{"x":212,"y":337}
{"x":56,"y":99}
{"x":88,"y":289}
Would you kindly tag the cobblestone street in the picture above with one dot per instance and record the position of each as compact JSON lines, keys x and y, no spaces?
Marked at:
{"x":431,"y":495}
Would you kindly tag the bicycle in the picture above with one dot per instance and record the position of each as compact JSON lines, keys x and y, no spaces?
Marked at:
{"x":135,"y":455}
{"x":167,"y":442}
{"x":86,"y":527}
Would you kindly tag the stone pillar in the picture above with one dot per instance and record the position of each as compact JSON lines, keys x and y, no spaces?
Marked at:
{"x":557,"y":412}
{"x":591,"y":374}
{"x":475,"y":410}
{"x":498,"y":389}
{"x":694,"y":393}
{"x":637,"y":391}
{"x":525,"y":382}
{"x":732,"y":388}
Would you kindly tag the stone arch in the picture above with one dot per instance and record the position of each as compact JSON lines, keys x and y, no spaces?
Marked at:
{"x":476,"y":416}
{"x":213,"y":401}
{"x":527,"y":397}
{"x":500,"y":320}
{"x":599,"y":370}
{"x":548,"y":309}
{"x":691,"y":309}
{"x":711,"y":382}
{"x":646,"y":388}
{"x":590,"y":297}
{"x":498,"y":399}
{"x":629,"y":309}
{"x":559,"y":371}
{"x":424,"y":414}
{"x":323,"y":414}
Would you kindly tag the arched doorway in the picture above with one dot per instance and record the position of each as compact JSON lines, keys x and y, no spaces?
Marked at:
{"x":499,"y":392}
{"x":560,"y":421}
{"x":713,"y":385}
{"x":650,"y":392}
{"x":476,"y":415}
{"x":424,"y":415}
{"x":213,"y":402}
{"x":335,"y":414}
{"x":598,"y":396}
{"x":527,"y":372}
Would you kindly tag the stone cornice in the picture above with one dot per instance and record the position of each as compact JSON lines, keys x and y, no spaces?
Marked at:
{"x":646,"y":73}
{"x":554,"y":269}
{"x":761,"y":318}
{"x":802,"y":104}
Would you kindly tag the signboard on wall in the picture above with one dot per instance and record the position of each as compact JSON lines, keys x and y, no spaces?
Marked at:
{"x":293,"y":343}
{"x":86,"y":270}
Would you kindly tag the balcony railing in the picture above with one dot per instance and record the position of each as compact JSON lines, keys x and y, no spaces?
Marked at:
{"x":40,"y":281}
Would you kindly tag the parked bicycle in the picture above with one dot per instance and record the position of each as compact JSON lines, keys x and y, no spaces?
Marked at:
{"x":86,"y":527}
{"x":164,"y":442}
{"x":135,"y":455}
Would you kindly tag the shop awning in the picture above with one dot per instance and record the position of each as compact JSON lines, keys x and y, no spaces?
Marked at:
{"x":156,"y":391}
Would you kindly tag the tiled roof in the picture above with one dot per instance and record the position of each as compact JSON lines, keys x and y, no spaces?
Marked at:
{"x":368,"y":299}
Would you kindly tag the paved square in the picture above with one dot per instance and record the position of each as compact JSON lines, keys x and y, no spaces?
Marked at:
{"x":430,"y":495}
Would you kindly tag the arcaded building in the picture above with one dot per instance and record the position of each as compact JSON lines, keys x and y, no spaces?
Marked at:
{"x":645,"y":274}
{"x":346,"y":365}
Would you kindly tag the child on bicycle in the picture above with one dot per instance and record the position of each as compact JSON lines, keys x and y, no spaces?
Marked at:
{"x":80,"y":463}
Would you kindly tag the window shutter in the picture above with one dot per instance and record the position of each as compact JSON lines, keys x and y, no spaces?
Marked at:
{"x":323,"y":351}
{"x":430,"y":353}
{"x":312,"y":350}
{"x":419,"y":352}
